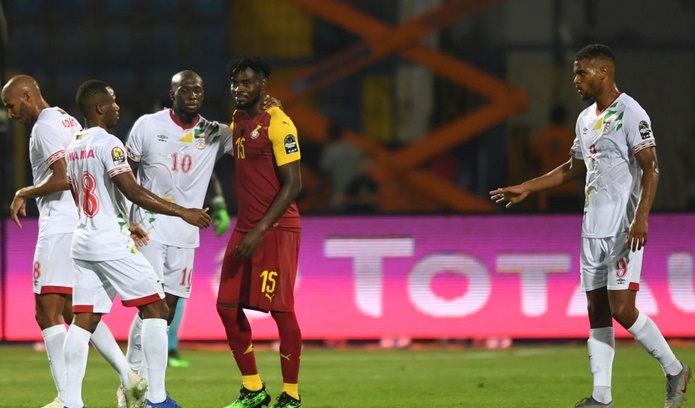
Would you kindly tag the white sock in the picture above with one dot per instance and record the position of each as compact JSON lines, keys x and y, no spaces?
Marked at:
{"x":54,"y":339}
{"x":106,"y":345}
{"x":650,"y":338}
{"x":601,"y":346}
{"x":155,"y":350}
{"x":143,"y":365}
{"x":76,"y":351}
{"x":134,"y":351}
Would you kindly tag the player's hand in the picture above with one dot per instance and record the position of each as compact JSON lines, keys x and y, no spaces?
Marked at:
{"x":249,"y":244}
{"x":18,"y":206}
{"x":220,"y":216}
{"x":271,"y":102}
{"x":637,"y":237}
{"x":510,"y":195}
{"x":197,"y":217}
{"x":139,"y":235}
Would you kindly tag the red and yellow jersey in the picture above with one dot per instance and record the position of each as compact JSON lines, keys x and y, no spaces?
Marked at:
{"x":262,"y":143}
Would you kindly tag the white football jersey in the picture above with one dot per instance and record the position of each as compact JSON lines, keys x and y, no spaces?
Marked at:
{"x":608,"y":141}
{"x":50,"y":136}
{"x":176,"y":164}
{"x":102,"y":234}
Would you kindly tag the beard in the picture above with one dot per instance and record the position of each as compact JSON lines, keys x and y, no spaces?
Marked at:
{"x":249,"y":103}
{"x":186,"y":115}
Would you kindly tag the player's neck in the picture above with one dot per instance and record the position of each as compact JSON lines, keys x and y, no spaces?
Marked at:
{"x":185,"y":119}
{"x":256,"y":108}
{"x":40,"y":106}
{"x":606,"y":98}
{"x":90,"y":123}
{"x":253,"y":111}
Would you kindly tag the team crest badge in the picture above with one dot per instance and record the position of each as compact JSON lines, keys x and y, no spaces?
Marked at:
{"x":118,"y":156}
{"x":606,"y":127}
{"x":255,"y":133}
{"x":199,"y":138}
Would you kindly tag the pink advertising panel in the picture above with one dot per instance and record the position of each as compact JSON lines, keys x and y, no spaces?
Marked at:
{"x":421,"y":277}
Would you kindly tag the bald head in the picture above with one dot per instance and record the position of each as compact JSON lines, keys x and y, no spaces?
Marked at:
{"x":187,"y":93}
{"x":21,"y":84}
{"x":185,"y":76}
{"x":22,"y":98}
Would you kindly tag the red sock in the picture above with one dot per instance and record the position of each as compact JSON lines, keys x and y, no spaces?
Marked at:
{"x":238,"y":330}
{"x":290,"y":345}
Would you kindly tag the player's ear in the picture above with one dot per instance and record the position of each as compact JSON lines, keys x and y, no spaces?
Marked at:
{"x":99,"y":109}
{"x":264,"y":83}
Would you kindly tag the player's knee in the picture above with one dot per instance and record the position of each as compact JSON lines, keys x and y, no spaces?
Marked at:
{"x":87,"y":321}
{"x":624,"y":313}
{"x":47,"y":317}
{"x":286,"y":321}
{"x":155,"y":310}
{"x":227,"y":312}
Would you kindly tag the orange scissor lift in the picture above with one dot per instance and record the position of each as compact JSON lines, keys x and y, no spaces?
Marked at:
{"x":378,"y":41}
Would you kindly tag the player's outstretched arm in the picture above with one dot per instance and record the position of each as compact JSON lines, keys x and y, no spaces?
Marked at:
{"x":146,"y":199}
{"x":509,"y":195}
{"x":56,"y":181}
{"x":639,"y":228}
{"x":570,"y":170}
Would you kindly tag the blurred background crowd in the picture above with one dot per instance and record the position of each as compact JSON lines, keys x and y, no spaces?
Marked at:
{"x":402,"y":106}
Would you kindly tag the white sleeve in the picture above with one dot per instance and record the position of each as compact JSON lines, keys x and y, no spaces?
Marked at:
{"x":221,"y":135}
{"x":49,"y":141}
{"x":576,"y":149}
{"x":226,"y":141}
{"x":113,"y":157}
{"x":638,"y":130}
{"x":137,"y":139}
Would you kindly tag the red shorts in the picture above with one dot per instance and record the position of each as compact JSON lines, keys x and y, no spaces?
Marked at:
{"x":264,"y":282}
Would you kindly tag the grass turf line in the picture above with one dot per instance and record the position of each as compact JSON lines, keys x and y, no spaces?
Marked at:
{"x":527,"y":376}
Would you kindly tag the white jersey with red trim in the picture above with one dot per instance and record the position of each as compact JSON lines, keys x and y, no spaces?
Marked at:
{"x":102,"y":234}
{"x":175,"y":163}
{"x":50,"y":136}
{"x":608,"y":141}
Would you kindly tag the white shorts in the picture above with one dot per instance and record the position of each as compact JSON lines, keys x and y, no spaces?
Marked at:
{"x":174,"y":266}
{"x":53,"y":271}
{"x":606,"y":262}
{"x":98,"y":282}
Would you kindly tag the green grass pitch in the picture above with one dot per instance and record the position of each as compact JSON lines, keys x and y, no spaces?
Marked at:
{"x":522,"y":376}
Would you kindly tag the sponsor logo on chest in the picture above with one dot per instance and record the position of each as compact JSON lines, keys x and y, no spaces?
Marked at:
{"x":81,"y":155}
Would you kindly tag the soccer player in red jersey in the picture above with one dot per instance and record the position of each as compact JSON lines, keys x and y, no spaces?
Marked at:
{"x":260,"y":264}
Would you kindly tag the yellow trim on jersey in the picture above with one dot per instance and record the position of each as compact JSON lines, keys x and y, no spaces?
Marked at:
{"x":283,"y":135}
{"x":187,"y":138}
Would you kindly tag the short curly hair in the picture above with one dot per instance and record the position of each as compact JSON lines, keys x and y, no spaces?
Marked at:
{"x":89,"y":93}
{"x":257,"y":64}
{"x":595,"y":51}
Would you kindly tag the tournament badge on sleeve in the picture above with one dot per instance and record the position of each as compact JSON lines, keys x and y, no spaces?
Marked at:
{"x":118,"y":156}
